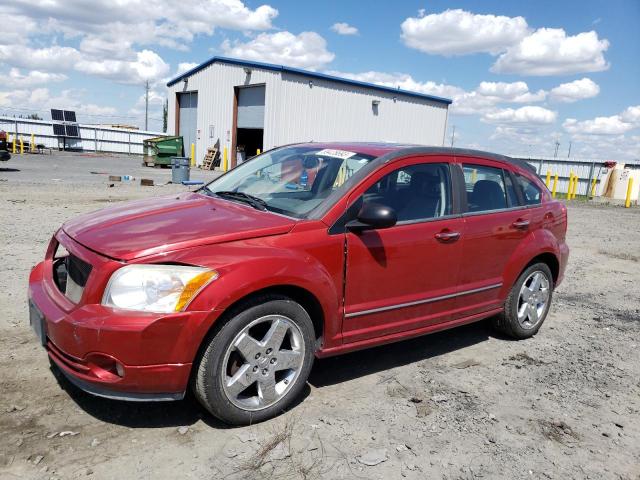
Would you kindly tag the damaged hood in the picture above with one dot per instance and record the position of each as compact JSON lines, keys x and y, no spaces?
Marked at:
{"x":154,"y":225}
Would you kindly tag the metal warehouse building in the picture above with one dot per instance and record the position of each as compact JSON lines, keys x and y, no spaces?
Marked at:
{"x":247,"y":106}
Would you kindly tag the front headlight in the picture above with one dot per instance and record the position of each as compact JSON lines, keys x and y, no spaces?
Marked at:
{"x":156,"y":288}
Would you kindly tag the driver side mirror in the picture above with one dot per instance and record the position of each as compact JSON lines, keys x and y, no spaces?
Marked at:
{"x":373,"y":216}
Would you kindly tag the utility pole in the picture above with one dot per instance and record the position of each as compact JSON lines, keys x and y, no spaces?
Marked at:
{"x":569,"y":154}
{"x":555,"y":154}
{"x":453,"y":135}
{"x":146,"y":105}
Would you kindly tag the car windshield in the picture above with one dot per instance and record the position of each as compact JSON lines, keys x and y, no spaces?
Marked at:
{"x":290,"y":180}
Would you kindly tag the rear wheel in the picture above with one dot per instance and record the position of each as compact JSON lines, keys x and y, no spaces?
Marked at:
{"x":528,"y":303}
{"x":258,"y":363}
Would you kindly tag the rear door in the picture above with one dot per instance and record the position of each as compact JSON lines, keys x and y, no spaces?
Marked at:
{"x":495,"y":223}
{"x":404,"y":277}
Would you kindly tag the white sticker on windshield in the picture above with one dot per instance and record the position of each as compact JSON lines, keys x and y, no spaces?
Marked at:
{"x":329,"y":152}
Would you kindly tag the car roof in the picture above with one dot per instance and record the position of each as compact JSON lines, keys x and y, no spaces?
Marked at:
{"x":386,"y":151}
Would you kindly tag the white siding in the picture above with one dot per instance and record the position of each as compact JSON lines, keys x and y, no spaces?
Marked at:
{"x":296,"y":112}
{"x":331,"y":111}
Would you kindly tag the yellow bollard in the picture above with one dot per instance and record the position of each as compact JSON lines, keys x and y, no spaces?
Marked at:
{"x":548,"y":182}
{"x":572,"y":180}
{"x":193,"y":154}
{"x":593,"y":187}
{"x":21,"y":146}
{"x":13,"y":145}
{"x":258,"y":152}
{"x":33,"y":143}
{"x":627,"y":202}
{"x":555,"y":186}
{"x":474,"y":175}
{"x":225,"y":158}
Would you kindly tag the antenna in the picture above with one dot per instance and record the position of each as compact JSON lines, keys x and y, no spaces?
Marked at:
{"x":146,"y":105}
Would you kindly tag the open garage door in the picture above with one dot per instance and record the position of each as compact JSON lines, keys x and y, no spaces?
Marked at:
{"x":188,"y":123}
{"x":250,"y":121}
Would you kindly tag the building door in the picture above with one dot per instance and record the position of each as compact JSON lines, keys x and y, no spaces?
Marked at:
{"x":250,"y":121}
{"x":188,"y":123}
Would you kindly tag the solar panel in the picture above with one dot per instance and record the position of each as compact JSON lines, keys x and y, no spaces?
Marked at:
{"x":69,"y":116}
{"x":57,"y":115}
{"x":58,"y":130}
{"x":72,"y":131}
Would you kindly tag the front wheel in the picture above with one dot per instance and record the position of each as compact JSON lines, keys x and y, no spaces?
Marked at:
{"x":528,"y":303}
{"x":258,"y":363}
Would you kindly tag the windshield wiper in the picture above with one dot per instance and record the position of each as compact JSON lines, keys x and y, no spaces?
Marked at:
{"x":255,"y":202}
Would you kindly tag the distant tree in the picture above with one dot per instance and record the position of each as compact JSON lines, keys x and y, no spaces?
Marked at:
{"x":34,"y":116}
{"x":165,"y":115}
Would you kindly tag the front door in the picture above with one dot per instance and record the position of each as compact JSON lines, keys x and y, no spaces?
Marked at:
{"x":404,"y":277}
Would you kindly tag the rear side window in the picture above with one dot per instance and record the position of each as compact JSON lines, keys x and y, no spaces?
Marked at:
{"x":530,"y":191}
{"x":416,"y":192}
{"x":485,"y":188}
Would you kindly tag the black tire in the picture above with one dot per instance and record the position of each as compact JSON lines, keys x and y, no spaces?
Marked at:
{"x":207,"y":382}
{"x":507,"y":322}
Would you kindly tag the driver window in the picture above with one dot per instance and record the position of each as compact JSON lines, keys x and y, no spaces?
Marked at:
{"x":416,"y":192}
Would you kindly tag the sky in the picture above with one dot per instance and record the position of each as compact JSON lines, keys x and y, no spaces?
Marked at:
{"x":525,"y":77}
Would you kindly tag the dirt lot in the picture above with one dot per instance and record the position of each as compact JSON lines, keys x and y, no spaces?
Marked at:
{"x":460,"y":404}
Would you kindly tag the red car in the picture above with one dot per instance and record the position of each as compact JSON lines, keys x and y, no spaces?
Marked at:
{"x":305,"y":251}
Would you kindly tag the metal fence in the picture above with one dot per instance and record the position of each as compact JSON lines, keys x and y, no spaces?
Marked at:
{"x":93,"y":138}
{"x":585,"y":169}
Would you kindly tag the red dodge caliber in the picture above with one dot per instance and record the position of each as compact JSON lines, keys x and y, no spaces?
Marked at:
{"x":305,"y":251}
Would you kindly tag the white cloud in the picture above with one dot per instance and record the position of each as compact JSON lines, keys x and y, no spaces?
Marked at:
{"x":458,"y":32}
{"x":184,"y":67}
{"x":631,"y":115}
{"x":529,"y":115}
{"x":549,"y":51}
{"x":306,"y":50}
{"x":147,"y":65}
{"x":484,"y":98}
{"x":41,"y":100}
{"x":516,"y":92}
{"x":17,"y":79}
{"x":51,"y":59}
{"x":342,"y":28}
{"x":574,"y":91}
{"x":627,"y":120}
{"x":598,"y":126}
{"x":118,"y":23}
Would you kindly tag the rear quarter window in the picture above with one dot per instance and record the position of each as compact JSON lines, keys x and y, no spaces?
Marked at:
{"x":531,"y":193}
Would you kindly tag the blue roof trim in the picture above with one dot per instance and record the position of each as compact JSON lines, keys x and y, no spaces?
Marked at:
{"x":306,"y":73}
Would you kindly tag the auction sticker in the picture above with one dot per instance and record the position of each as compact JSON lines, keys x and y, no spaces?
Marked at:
{"x":329,"y":152}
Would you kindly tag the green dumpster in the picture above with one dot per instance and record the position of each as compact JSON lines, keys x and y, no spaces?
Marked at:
{"x":159,"y":151}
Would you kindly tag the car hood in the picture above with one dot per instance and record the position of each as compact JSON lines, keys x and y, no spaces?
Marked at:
{"x":155,"y":225}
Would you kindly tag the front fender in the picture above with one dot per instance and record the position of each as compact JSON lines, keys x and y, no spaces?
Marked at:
{"x":246,"y":267}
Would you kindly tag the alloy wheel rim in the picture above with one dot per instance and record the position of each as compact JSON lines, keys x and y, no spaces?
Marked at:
{"x":533,"y":300}
{"x":263,"y":362}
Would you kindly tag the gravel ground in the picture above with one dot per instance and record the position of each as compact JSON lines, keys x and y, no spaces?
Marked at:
{"x":464,"y":403}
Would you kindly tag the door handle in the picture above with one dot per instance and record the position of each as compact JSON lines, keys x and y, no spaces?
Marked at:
{"x":447,"y":236}
{"x":521,"y":224}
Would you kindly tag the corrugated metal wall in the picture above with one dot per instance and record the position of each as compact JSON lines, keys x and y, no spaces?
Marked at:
{"x":297,"y":112}
{"x":92,"y":138}
{"x":585,"y":169}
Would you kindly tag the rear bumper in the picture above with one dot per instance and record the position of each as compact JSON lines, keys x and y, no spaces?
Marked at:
{"x":564,"y":259}
{"x":113,"y":353}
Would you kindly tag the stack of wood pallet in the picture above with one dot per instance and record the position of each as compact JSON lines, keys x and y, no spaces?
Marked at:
{"x":212,"y":158}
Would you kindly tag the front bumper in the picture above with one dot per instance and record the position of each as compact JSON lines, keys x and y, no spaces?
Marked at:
{"x":114,"y":353}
